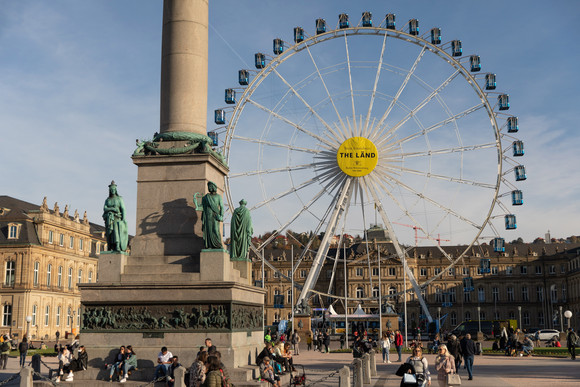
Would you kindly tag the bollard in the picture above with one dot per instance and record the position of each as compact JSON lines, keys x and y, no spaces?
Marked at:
{"x":373,"y":363}
{"x":344,"y":377}
{"x":36,"y":365}
{"x":366,"y":368}
{"x":26,"y":377}
{"x":179,"y":375}
{"x":358,"y":373}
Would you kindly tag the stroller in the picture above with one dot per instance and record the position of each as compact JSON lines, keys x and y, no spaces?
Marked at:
{"x":300,"y":379}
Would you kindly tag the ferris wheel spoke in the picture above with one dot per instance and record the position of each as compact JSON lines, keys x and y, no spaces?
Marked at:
{"x":433,"y":127}
{"x":324,"y":85}
{"x":310,"y":109}
{"x":418,"y":108}
{"x":324,"y":141}
{"x":447,"y":178}
{"x":374,"y":92}
{"x":432,"y":201}
{"x":402,"y":87}
{"x":349,"y":77}
{"x":339,"y":206}
{"x":285,"y":193}
{"x":442,"y":151}
{"x":275,"y":144}
{"x":272,"y":170}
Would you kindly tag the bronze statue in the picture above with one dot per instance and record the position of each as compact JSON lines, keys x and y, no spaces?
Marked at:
{"x":115,"y":221}
{"x":212,"y":215}
{"x":240,"y":232}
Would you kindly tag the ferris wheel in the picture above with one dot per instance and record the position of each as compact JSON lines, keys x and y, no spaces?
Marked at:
{"x":368,"y":121}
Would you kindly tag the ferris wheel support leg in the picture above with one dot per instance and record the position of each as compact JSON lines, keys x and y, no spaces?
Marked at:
{"x":339,"y":207}
{"x":400,"y":253}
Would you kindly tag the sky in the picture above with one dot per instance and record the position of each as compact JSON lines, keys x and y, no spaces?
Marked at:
{"x":80,"y":82}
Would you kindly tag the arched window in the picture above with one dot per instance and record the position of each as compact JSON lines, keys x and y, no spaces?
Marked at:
{"x":46,"y":315}
{"x":48,"y":274}
{"x":360,"y":293}
{"x":375,"y":292}
{"x":90,"y":276}
{"x":467,"y":316}
{"x":70,"y":274}
{"x":482,"y":315}
{"x":438,"y":294}
{"x":58,"y":310}
{"x":68,"y":316}
{"x":34,"y":310}
{"x":36,"y":270}
{"x":80,"y":277}
{"x":59,"y":277}
{"x":392,"y":290}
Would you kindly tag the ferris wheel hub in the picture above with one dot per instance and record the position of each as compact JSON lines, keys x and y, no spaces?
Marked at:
{"x":357,"y":156}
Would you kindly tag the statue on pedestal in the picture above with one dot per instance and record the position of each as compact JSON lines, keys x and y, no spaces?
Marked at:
{"x":115,"y":221}
{"x":241,"y":232}
{"x":212,"y":215}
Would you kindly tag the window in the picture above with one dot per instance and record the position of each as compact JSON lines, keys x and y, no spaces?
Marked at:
{"x":58,"y":309}
{"x":13,"y":231}
{"x":478,"y":270}
{"x":451,"y":271}
{"x":525,"y":295}
{"x":46,"y":315}
{"x":91,"y":276}
{"x":481,"y":295}
{"x":71,"y":244}
{"x":59,"y":277}
{"x":50,"y":237}
{"x":7,"y":315}
{"x":70,"y":275}
{"x":541,"y":319}
{"x":496,"y":315}
{"x":302,"y":273}
{"x":526,"y":318}
{"x":80,"y":278}
{"x":391,"y":271}
{"x":423,"y":272}
{"x":375,"y":292}
{"x":48,"y":274}
{"x":68,"y":316}
{"x":438,"y":295}
{"x":34,"y":310}
{"x":289,"y":273}
{"x":10,"y":273}
{"x":465,"y":270}
{"x":540,"y":293}
{"x":81,"y":243}
{"x":563,"y":268}
{"x":554,"y":293}
{"x":359,"y":271}
{"x":538,"y":270}
{"x":523,"y":270}
{"x":495,"y":293}
{"x":466,"y":296}
{"x":453,"y":319}
{"x":482,"y":314}
{"x":494,"y":270}
{"x":564,"y":292}
{"x":552,"y":269}
{"x":509,"y":270}
{"x":276,"y":274}
{"x":392,"y":290}
{"x":467,"y":316}
{"x":437,"y":270}
{"x":510,"y":294}
{"x":452,"y":295}
{"x":360,"y":293}
{"x":375,"y":271}
{"x":36,"y":269}
{"x":289,"y":296}
{"x":79,"y":317}
{"x":512,"y":315}
{"x":61,"y":240}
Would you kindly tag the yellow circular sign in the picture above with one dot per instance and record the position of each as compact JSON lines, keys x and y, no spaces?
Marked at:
{"x":357,"y":156}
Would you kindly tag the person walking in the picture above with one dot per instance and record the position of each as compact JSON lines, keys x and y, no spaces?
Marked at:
{"x":296,"y":342}
{"x":421,"y":367}
{"x":468,"y":351}
{"x":454,"y":350}
{"x":444,"y":364}
{"x":5,"y":348}
{"x":571,"y":340}
{"x":309,"y":342}
{"x":326,"y":339}
{"x":386,"y":347}
{"x":399,"y":343}
{"x":23,"y":349}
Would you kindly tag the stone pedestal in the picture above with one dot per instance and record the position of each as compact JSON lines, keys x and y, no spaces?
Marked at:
{"x":304,"y":331}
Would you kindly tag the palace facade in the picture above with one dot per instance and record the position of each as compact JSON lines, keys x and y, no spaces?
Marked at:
{"x":45,"y":253}
{"x":530,"y":283}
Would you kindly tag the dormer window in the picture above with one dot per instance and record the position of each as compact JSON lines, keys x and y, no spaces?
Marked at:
{"x":13,"y":230}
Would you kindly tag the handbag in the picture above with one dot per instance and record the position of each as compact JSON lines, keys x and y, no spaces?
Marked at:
{"x":453,"y":380}
{"x":410,"y":379}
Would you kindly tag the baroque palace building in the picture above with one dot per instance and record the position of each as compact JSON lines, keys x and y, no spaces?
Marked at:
{"x":45,"y":253}
{"x":529,"y":282}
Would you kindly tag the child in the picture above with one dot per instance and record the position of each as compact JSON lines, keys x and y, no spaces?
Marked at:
{"x":267,"y":373}
{"x":309,"y":341}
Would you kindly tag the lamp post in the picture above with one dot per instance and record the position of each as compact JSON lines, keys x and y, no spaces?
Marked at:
{"x":561,"y":320}
{"x":520,"y":315}
{"x":479,"y":317}
{"x":28,"y":320}
{"x":568,"y":315}
{"x":438,"y":319}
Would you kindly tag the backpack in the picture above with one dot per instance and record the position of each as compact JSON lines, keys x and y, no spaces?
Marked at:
{"x":5,"y":346}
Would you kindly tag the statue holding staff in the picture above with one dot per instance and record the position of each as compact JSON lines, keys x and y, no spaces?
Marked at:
{"x":241,"y":232}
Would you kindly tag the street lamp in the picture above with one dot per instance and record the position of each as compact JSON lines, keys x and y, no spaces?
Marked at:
{"x":561,"y":320}
{"x":520,"y":314}
{"x":568,"y":315}
{"x":438,"y":319}
{"x":479,"y":317}
{"x":28,"y":320}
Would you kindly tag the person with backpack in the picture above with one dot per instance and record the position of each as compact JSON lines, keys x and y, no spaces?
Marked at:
{"x":571,"y":339}
{"x":399,"y":343}
{"x":421,"y":367}
{"x":23,"y":349}
{"x":386,"y":347}
{"x":4,"y":351}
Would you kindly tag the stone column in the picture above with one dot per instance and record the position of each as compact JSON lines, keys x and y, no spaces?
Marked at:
{"x":358,"y":372}
{"x":26,"y":377}
{"x":366,"y":368}
{"x":184,"y":63}
{"x":344,"y":377}
{"x":373,"y":363}
{"x":179,"y":377}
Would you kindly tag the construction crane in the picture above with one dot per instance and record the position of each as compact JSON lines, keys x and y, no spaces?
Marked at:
{"x":414,"y":228}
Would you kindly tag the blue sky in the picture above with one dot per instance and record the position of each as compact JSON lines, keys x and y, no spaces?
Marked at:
{"x":80,"y":82}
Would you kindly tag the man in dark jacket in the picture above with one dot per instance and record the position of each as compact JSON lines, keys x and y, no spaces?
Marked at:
{"x":468,"y":351}
{"x":454,"y":349}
